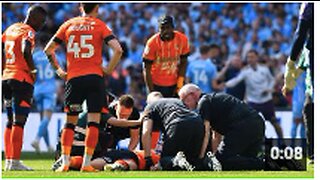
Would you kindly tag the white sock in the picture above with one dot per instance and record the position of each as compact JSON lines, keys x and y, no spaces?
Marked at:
{"x":37,"y":140}
{"x":86,"y":160}
{"x":7,"y":161}
{"x":65,"y":159}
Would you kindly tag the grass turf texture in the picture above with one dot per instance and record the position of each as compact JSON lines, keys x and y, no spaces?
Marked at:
{"x":42,"y":169}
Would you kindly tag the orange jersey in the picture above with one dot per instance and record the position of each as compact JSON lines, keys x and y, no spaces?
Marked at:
{"x":84,"y":38}
{"x":142,"y":162}
{"x":16,"y":66}
{"x":165,"y":56}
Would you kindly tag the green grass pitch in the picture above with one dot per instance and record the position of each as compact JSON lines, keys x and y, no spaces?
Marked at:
{"x":42,"y":169}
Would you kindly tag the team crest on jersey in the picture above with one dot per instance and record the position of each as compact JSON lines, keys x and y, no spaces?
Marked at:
{"x":30,"y":34}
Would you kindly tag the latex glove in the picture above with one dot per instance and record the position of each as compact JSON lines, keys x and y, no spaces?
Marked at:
{"x":290,"y":76}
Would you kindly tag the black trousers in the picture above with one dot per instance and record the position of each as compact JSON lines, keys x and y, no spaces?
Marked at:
{"x":242,"y":143}
{"x":309,"y":124}
{"x":186,"y":136}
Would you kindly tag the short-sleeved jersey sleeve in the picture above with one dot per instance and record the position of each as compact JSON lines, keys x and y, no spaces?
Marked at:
{"x":149,"y":52}
{"x":204,"y":108}
{"x":30,"y":37}
{"x":149,"y":112}
{"x":107,"y":33}
{"x":135,"y":115}
{"x":105,"y":118}
{"x":185,"y":47}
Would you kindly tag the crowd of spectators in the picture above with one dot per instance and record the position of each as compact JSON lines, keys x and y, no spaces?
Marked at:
{"x":231,"y":28}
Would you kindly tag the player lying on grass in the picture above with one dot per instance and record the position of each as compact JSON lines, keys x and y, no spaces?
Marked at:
{"x":113,"y":160}
{"x":125,"y":160}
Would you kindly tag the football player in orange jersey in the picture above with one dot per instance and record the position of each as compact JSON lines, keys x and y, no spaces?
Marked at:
{"x":84,"y":37}
{"x":115,"y":160}
{"x":18,"y":76}
{"x":165,"y":59}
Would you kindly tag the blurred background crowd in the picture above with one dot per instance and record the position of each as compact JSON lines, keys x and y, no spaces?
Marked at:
{"x":229,"y":29}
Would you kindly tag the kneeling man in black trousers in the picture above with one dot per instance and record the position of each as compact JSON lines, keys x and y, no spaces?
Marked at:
{"x":238,"y":129}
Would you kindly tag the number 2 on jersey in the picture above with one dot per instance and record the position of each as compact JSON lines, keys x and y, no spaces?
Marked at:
{"x":76,"y":48}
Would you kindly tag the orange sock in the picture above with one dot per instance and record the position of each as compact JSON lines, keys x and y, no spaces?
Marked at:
{"x":91,"y":139}
{"x":16,"y":141}
{"x":7,"y":144}
{"x":76,"y":162}
{"x":66,"y":140}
